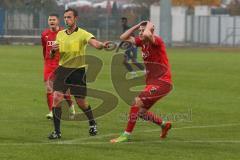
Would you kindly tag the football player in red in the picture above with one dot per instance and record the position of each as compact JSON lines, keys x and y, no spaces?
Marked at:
{"x":48,"y":38}
{"x":158,"y":78}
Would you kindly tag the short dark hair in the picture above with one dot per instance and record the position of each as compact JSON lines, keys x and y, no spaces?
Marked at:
{"x":144,"y":23}
{"x":75,"y":13}
{"x":54,"y":14}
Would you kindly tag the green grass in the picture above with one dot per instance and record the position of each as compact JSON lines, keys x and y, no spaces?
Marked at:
{"x":206,"y":93}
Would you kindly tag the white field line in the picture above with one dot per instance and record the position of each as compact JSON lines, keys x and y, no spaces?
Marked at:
{"x":133,"y":142}
{"x":80,"y":141}
{"x":154,"y":130}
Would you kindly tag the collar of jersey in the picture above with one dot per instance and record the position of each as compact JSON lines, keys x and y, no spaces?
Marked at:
{"x":75,"y":30}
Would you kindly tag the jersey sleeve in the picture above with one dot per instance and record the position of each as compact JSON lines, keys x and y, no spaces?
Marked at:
{"x":138,"y":41}
{"x":88,"y":36}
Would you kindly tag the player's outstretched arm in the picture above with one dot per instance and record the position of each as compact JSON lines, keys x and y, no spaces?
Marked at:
{"x":97,"y":44}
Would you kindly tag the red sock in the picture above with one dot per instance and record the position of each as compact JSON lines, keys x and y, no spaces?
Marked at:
{"x":68,"y":99}
{"x":50,"y":101}
{"x":149,"y":116}
{"x":132,"y":118}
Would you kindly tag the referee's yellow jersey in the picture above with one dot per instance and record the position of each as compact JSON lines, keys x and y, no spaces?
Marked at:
{"x":72,"y":47}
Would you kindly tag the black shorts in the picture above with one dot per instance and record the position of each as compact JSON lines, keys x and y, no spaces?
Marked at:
{"x":73,"y":79}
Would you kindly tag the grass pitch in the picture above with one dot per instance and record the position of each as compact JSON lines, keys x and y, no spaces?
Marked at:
{"x":204,"y":106}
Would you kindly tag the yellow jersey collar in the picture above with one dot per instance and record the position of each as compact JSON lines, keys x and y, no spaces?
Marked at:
{"x":75,"y":30}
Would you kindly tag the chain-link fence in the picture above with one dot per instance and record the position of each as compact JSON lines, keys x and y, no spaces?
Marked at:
{"x":20,"y":26}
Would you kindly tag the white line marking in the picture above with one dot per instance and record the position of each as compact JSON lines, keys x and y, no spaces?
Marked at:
{"x":154,"y":130}
{"x":80,"y":141}
{"x":131,"y":142}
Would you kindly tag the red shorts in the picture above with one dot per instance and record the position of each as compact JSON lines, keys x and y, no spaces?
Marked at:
{"x":49,"y":72}
{"x":152,"y":93}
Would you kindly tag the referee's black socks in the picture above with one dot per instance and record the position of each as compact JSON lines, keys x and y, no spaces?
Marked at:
{"x":57,"y":112}
{"x":88,"y":112}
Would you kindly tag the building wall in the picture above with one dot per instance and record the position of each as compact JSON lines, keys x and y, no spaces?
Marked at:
{"x":155,"y":17}
{"x":178,"y":21}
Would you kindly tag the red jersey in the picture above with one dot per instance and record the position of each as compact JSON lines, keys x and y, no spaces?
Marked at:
{"x":48,"y":38}
{"x":155,"y":60}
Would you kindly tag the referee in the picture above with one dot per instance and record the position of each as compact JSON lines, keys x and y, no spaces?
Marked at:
{"x":71,"y":44}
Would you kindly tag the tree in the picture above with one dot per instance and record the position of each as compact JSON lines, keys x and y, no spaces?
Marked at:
{"x":234,"y":7}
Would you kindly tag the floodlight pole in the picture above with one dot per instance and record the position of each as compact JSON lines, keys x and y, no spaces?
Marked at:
{"x":166,"y":21}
